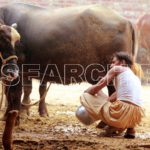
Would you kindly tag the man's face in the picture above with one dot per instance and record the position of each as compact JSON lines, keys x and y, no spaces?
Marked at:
{"x":115,"y":62}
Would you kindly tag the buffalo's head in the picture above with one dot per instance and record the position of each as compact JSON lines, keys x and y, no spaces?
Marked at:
{"x":8,"y":58}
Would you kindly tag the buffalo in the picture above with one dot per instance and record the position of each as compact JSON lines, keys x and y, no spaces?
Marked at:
{"x":64,"y":45}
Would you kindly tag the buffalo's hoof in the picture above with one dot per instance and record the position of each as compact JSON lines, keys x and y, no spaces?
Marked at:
{"x":23,"y":115}
{"x":43,"y":115}
{"x":25,"y":111}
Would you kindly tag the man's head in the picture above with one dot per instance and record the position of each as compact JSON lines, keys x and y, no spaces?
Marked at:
{"x":8,"y":60}
{"x":121,"y":59}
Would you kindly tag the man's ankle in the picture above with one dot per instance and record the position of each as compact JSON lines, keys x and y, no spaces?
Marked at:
{"x":130,"y":133}
{"x":101,"y":125}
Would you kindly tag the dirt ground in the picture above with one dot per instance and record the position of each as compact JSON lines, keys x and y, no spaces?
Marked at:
{"x":62,"y":131}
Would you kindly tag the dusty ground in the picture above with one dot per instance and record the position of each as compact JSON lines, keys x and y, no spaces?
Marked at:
{"x":62,"y":131}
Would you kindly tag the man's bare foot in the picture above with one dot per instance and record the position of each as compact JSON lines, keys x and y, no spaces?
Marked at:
{"x":101,"y":125}
{"x":130,"y":133}
{"x":113,"y":131}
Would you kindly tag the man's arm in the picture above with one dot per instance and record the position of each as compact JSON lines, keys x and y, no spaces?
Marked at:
{"x":113,"y":97}
{"x":102,"y":94}
{"x":102,"y":83}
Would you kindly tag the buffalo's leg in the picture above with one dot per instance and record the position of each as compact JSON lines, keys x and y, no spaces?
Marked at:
{"x":13,"y":95}
{"x":111,"y":90}
{"x":26,"y":99}
{"x":7,"y":134}
{"x":42,"y":105}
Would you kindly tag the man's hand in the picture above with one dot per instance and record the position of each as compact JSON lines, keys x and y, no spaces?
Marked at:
{"x":90,"y":90}
{"x":102,"y":83}
{"x":113,"y":97}
{"x":111,"y":100}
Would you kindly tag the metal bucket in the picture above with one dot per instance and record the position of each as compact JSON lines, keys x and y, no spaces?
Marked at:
{"x":84,"y":116}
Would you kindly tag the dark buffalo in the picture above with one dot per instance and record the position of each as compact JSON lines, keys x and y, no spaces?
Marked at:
{"x":69,"y":44}
{"x":8,"y":60}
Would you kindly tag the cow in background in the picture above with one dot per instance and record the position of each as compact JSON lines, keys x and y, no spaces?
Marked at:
{"x":142,"y":30}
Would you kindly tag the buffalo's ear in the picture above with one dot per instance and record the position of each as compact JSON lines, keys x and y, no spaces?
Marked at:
{"x":14,"y":25}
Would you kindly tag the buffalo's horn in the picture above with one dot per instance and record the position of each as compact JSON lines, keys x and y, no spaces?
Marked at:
{"x":14,"y":25}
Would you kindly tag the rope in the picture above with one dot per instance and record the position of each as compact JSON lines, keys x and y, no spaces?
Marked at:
{"x":41,"y":99}
{"x":2,"y":97}
{"x":27,"y":105}
{"x":4,"y":61}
